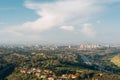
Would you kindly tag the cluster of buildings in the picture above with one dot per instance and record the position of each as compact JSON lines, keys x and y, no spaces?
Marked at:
{"x":85,"y":46}
{"x":39,"y":73}
{"x":47,"y":74}
{"x":89,"y":46}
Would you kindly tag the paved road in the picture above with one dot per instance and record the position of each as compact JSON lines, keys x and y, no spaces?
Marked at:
{"x":85,"y":59}
{"x":98,"y":65}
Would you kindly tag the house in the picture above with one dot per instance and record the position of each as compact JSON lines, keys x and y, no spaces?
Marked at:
{"x":44,"y":76}
{"x":64,"y":76}
{"x":33,"y":69}
{"x":23,"y":70}
{"x":29,"y":71}
{"x":38,"y":70}
{"x":47,"y":71}
{"x":37,"y":74}
{"x":51,"y":78}
{"x":73,"y":76}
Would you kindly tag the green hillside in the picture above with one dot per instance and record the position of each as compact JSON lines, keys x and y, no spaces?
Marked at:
{"x":116,"y":60}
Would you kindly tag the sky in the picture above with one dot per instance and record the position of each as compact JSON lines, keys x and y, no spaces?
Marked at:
{"x":60,"y":21}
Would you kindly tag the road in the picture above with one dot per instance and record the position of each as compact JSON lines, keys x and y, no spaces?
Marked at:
{"x":97,"y":66}
{"x":85,"y":59}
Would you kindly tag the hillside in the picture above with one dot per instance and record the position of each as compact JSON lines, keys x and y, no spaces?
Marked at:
{"x":116,"y":60}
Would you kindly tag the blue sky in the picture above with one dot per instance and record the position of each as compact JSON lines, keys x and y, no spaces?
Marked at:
{"x":13,"y":12}
{"x":60,"y":21}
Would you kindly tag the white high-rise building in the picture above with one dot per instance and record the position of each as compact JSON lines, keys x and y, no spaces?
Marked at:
{"x":69,"y":46}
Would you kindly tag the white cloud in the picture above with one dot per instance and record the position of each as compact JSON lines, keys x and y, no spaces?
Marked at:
{"x":56,"y":14}
{"x":87,"y":29}
{"x":67,"y":28}
{"x":59,"y":13}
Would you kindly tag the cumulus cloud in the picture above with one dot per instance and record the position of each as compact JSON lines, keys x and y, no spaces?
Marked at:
{"x":67,"y":28}
{"x":59,"y":12}
{"x":87,"y":29}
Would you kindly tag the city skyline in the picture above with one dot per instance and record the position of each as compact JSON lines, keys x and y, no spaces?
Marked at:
{"x":59,"y":21}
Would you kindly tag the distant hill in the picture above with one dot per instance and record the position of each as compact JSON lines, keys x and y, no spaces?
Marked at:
{"x":116,"y":60}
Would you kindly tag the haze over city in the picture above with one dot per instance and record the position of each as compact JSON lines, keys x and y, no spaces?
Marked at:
{"x":59,"y":40}
{"x":60,"y":21}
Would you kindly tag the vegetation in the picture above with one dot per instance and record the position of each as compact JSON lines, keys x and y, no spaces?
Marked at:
{"x":36,"y":63}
